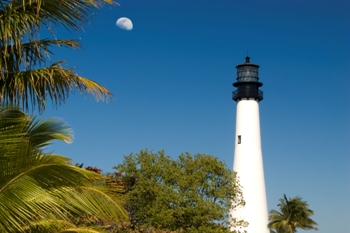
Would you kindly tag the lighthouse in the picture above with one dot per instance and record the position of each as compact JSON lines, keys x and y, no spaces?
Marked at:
{"x":248,"y":162}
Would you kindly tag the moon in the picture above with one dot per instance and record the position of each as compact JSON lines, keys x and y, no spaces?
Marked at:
{"x":124,"y":23}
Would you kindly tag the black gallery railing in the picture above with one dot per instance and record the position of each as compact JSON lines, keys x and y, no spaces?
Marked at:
{"x":239,"y":94}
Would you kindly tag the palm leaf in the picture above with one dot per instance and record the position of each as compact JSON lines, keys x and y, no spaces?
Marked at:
{"x":294,"y":213}
{"x":24,"y":78}
{"x":30,"y":54}
{"x":56,"y":82}
{"x":24,"y":17}
{"x":51,"y":187}
{"x":81,"y":230}
{"x":17,"y":127}
{"x":48,"y":226}
{"x":44,"y":187}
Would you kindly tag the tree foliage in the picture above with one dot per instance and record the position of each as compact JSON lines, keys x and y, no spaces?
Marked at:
{"x":28,"y":77}
{"x":293,"y":214}
{"x":192,"y":193}
{"x":42,"y":192}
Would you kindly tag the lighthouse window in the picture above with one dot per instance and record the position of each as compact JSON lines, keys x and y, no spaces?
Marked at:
{"x":239,"y":139}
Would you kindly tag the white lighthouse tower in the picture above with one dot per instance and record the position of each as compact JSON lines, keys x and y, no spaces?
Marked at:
{"x":248,"y":161}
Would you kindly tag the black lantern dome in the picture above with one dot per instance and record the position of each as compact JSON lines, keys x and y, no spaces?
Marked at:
{"x":247,"y":82}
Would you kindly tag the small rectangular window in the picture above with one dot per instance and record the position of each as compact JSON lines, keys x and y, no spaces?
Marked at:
{"x":239,"y":139}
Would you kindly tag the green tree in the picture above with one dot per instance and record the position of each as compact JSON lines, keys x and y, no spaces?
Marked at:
{"x":43,"y":192}
{"x":293,"y":213}
{"x":192,"y":193}
{"x":28,"y":77}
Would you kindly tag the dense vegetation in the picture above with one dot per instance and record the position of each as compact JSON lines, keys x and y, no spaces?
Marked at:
{"x":191,"y":193}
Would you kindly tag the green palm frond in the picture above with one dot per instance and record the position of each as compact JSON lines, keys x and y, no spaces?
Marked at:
{"x":25,"y":78}
{"x":48,"y":185}
{"x":30,"y":54}
{"x":81,"y":230}
{"x":21,"y":137}
{"x":42,"y":132}
{"x":37,"y":187}
{"x":294,"y":213}
{"x":18,"y":127}
{"x":48,"y":226}
{"x":55,"y":82}
{"x":54,"y":190}
{"x":24,"y":17}
{"x":21,"y":20}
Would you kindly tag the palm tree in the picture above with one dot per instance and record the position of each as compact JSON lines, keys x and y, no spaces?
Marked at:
{"x":294,"y":213}
{"x":28,"y":77}
{"x":43,"y":192}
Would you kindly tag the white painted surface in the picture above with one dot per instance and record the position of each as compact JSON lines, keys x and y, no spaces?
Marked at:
{"x":248,"y":164}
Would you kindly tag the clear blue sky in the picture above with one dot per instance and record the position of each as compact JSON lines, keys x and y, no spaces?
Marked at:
{"x":172,"y":80}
